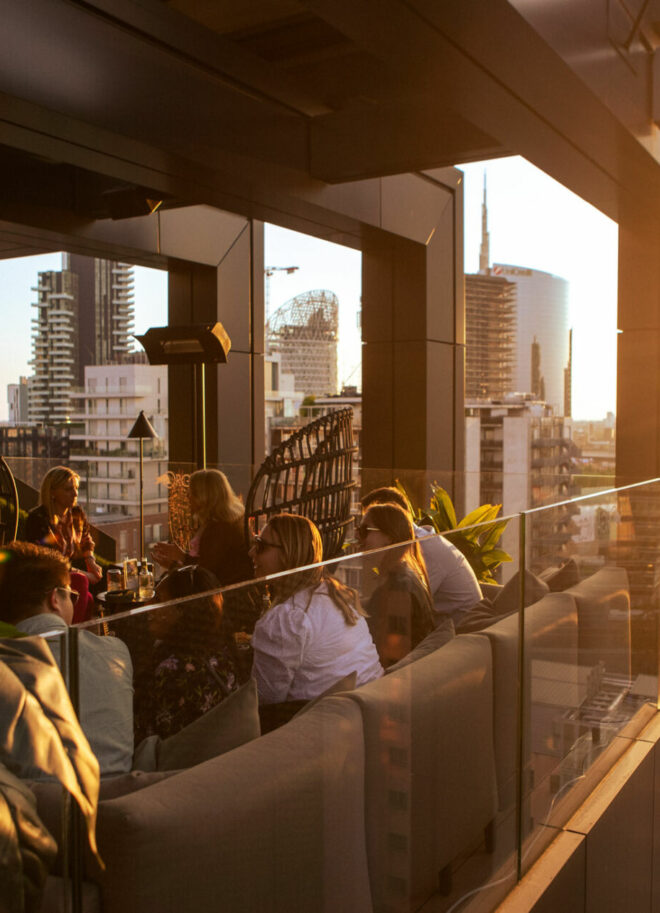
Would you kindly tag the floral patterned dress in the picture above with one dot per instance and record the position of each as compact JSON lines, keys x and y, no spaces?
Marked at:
{"x":179,"y":688}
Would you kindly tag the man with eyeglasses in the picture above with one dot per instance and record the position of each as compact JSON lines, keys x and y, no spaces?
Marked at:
{"x":36,"y":597}
{"x":454,"y":586}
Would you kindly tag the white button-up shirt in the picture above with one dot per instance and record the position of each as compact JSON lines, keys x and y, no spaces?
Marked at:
{"x":304,"y":645}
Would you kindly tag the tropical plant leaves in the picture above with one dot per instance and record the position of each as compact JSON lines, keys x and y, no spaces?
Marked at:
{"x":476,"y":535}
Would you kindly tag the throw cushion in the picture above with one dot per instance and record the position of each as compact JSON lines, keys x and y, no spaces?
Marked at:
{"x":491,"y":590}
{"x":508,"y":600}
{"x":561,"y":578}
{"x":226,"y":726}
{"x":479,"y":617}
{"x":441,"y":635}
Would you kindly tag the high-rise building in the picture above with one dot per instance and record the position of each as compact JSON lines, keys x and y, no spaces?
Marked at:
{"x":517,"y":340}
{"x":490,"y":326}
{"x":17,"y":400}
{"x":106,"y":460}
{"x":84,"y":317}
{"x":304,"y":333}
{"x":490,"y":334}
{"x":105,"y":289}
{"x":54,"y":346}
{"x":518,"y":454}
{"x":568,"y":379}
{"x":542,"y":350}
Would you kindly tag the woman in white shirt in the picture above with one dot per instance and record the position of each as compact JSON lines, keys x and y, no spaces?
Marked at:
{"x":314,"y":632}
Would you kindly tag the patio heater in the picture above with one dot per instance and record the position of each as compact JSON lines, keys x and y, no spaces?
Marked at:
{"x":142,"y":429}
{"x":195,"y":344}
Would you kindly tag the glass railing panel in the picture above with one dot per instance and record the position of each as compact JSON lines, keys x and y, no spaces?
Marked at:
{"x":590,"y":647}
{"x":415,"y":751}
{"x":493,"y":627}
{"x":40,"y":745}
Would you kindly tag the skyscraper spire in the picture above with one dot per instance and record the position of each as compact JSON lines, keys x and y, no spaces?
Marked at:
{"x":484,"y":250}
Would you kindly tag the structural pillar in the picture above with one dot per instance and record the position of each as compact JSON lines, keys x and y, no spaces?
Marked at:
{"x":638,"y":353}
{"x":229,"y":288}
{"x":413,"y":362}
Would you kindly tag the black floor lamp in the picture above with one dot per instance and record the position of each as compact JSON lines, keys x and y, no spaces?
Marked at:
{"x":142,"y":429}
{"x":196,"y":344}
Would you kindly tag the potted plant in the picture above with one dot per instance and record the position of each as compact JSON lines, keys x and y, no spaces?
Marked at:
{"x":476,"y":535}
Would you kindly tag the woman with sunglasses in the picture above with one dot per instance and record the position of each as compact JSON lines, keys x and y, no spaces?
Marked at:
{"x":400,"y":609}
{"x":193,"y":663}
{"x":314,"y":632}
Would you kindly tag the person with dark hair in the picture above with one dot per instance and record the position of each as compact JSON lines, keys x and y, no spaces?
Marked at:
{"x":453,"y":584}
{"x":314,"y":632}
{"x":400,"y":609}
{"x":193,"y":663}
{"x":36,"y":597}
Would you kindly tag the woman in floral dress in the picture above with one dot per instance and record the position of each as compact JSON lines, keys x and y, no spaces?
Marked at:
{"x":193,"y":663}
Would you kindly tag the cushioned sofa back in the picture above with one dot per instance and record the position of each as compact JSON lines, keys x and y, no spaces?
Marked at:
{"x":604,"y":619}
{"x":430,"y":776}
{"x":550,"y":639}
{"x":274,"y":826}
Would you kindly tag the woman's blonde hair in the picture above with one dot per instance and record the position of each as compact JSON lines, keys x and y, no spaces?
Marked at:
{"x":395,"y":523}
{"x":215,"y":497}
{"x":301,"y":545}
{"x":55,"y":478}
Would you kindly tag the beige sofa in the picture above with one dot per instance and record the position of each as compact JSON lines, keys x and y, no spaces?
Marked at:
{"x":360,"y":803}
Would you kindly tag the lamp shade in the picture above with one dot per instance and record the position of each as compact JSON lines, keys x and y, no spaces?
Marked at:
{"x":202,"y":343}
{"x":142,"y":428}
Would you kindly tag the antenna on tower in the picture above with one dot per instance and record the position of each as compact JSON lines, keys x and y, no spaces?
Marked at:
{"x":484,"y":250}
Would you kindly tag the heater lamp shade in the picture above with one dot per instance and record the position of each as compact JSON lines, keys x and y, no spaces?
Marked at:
{"x":206,"y":343}
{"x":142,"y":428}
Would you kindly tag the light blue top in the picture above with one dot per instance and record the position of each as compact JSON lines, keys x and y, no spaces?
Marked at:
{"x":106,"y":690}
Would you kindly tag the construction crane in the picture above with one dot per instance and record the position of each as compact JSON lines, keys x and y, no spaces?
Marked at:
{"x":268,"y":272}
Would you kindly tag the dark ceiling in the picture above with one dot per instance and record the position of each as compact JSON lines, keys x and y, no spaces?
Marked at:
{"x":109,"y":103}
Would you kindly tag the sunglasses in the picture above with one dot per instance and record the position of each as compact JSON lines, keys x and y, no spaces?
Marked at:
{"x":261,"y":544}
{"x":362,"y":530}
{"x":73,"y":595}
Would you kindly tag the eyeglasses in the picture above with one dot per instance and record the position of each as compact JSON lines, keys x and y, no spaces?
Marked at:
{"x":362,"y":530}
{"x":73,"y":595}
{"x":261,"y":544}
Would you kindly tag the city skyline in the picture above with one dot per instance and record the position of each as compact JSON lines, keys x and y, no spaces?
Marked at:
{"x":534,"y":222}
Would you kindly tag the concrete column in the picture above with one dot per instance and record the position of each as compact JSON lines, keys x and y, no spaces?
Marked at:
{"x":413,"y":363}
{"x":228,"y":289}
{"x":638,"y":360}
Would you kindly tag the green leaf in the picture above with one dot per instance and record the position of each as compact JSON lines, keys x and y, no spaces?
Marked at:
{"x":442,"y":503}
{"x":400,"y":487}
{"x":495,"y":556}
{"x":493,"y":534}
{"x":483,"y":514}
{"x":7,"y":630}
{"x":499,"y":553}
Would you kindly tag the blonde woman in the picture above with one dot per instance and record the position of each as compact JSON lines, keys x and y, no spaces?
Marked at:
{"x":315,"y":631}
{"x":59,"y":523}
{"x":219,"y":540}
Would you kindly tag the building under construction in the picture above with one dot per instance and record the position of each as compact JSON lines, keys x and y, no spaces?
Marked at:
{"x":490,"y":329}
{"x":304,"y":332}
